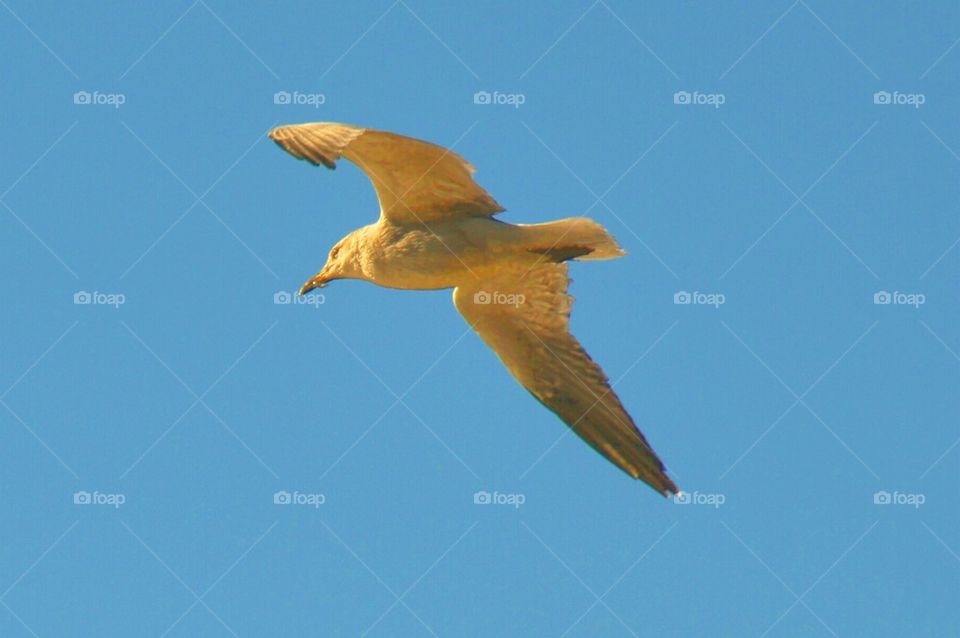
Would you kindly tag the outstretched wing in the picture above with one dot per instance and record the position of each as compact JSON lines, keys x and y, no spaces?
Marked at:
{"x":415,"y":181}
{"x":524,"y":317}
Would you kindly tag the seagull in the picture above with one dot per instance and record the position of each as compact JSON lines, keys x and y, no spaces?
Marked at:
{"x":437,"y":230}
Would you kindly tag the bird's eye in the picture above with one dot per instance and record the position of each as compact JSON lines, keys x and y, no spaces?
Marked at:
{"x":334,"y":252}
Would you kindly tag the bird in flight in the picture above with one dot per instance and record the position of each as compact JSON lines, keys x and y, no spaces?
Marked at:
{"x":436,"y":230}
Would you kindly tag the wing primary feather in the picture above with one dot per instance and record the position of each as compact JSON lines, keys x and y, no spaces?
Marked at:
{"x":533,"y":340}
{"x":416,"y":181}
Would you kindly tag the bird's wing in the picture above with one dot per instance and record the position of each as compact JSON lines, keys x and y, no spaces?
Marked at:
{"x":415,"y":181}
{"x":524,"y":317}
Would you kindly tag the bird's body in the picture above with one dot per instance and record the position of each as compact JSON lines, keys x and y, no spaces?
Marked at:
{"x":436,"y":230}
{"x":411,"y":257}
{"x":449,"y":253}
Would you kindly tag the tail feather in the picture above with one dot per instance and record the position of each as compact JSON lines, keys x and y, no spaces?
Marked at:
{"x":573,"y":238}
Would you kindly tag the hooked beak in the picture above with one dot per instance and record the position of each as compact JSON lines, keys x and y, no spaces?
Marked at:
{"x":319,"y":280}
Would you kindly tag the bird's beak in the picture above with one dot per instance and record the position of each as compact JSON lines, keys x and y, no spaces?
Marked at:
{"x":319,"y":280}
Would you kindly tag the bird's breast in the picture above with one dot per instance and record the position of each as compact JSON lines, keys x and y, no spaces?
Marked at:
{"x":441,"y":255}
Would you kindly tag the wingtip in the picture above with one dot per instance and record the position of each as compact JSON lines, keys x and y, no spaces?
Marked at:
{"x":280,"y":137}
{"x":656,"y":477}
{"x":274,"y":134}
{"x":670,"y":488}
{"x":660,"y":482}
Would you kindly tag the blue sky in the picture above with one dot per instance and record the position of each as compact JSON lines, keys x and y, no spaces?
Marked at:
{"x":790,"y":169}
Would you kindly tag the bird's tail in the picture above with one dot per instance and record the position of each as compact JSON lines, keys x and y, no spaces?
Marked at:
{"x":572,"y":238}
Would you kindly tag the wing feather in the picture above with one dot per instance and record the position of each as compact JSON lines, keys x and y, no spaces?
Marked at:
{"x":524,"y":318}
{"x":415,"y":181}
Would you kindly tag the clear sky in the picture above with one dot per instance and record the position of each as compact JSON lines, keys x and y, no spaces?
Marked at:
{"x":791,"y":170}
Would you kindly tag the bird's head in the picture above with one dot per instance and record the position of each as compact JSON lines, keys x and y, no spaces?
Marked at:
{"x":342,"y":263}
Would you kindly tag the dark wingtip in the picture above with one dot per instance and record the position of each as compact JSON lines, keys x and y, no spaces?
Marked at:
{"x":668,"y":488}
{"x":659,"y":481}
